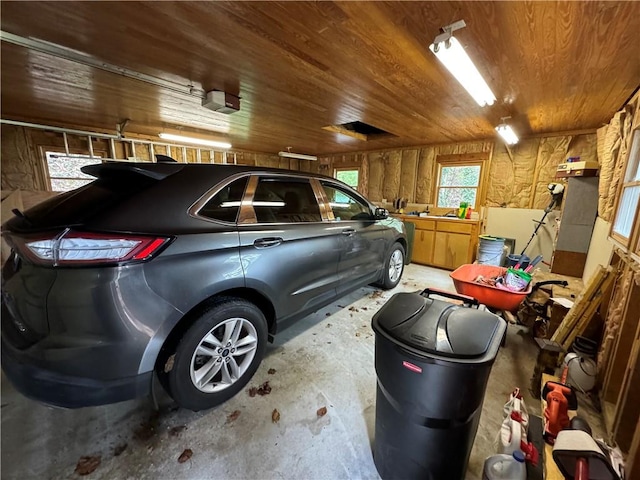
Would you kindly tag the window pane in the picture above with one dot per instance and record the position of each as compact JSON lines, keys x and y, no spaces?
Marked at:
{"x":225,"y":204}
{"x":285,"y":201}
{"x":344,"y":205}
{"x":451,"y":197}
{"x":626,"y":211}
{"x":633,"y":167}
{"x":68,"y":166}
{"x":465,"y":176}
{"x":350,"y":177}
{"x":65,"y":184}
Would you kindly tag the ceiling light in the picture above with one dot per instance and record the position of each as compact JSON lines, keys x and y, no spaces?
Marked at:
{"x":194,"y":141}
{"x":450,"y":52}
{"x":507,"y":134}
{"x":299,"y":156}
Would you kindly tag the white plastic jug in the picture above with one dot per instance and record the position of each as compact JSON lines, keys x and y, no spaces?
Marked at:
{"x":505,"y":467}
{"x":510,"y":435}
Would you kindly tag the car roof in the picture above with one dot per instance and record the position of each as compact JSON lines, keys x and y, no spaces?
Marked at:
{"x":163,"y":169}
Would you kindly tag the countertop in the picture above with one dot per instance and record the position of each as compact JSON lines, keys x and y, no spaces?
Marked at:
{"x":404,"y":216}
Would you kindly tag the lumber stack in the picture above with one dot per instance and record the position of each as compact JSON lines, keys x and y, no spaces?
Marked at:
{"x":584,"y":308}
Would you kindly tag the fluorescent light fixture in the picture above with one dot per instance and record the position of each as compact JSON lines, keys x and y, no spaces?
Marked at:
{"x":450,"y":52}
{"x":194,"y":141}
{"x":299,"y":156}
{"x":507,"y":134}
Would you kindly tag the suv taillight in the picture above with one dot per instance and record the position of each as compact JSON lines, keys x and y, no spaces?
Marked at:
{"x":71,"y":248}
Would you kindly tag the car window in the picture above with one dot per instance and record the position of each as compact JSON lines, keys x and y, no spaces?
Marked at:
{"x":225,"y":204}
{"x":344,"y":205}
{"x":279,"y":200}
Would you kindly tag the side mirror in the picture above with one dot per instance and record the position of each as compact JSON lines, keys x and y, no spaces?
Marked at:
{"x":381,"y":213}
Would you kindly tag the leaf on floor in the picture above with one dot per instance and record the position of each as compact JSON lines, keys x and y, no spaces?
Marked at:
{"x":329,"y":325}
{"x":87,"y":465}
{"x":376,"y":294}
{"x":264,"y":389}
{"x":354,"y":309}
{"x":357,"y":334}
{"x":321,"y":412}
{"x":364,"y":308}
{"x":233,"y":416}
{"x":186,"y":455}
{"x":117,"y":451}
{"x":340,"y":306}
{"x":253,"y":391}
{"x":177,"y":430}
{"x":271,"y":371}
{"x":328,"y":314}
{"x":275,"y":416}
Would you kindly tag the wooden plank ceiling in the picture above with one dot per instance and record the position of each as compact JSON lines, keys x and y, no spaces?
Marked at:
{"x":301,"y":66}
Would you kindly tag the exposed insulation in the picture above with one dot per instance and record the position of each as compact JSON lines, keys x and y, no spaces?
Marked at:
{"x":392,"y":170}
{"x":511,"y":175}
{"x":363,"y":182}
{"x":551,"y":153}
{"x":408,"y":170}
{"x":425,"y":176}
{"x":615,"y":144}
{"x":583,"y":146}
{"x":142,"y":152}
{"x":376,"y":177}
{"x":466,"y":147}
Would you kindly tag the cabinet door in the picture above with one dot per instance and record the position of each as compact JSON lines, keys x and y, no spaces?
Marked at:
{"x":423,"y":247}
{"x":451,"y":249}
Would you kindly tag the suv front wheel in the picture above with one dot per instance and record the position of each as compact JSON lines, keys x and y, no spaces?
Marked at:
{"x":393,"y":267}
{"x":217,"y":356}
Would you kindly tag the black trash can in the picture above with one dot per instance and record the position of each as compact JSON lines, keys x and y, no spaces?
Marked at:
{"x":433,"y":360}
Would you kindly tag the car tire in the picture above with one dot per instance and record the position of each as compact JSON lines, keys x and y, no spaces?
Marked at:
{"x":217,"y":356}
{"x":393,"y":267}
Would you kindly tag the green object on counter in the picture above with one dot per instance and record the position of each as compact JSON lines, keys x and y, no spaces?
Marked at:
{"x":462,"y":211}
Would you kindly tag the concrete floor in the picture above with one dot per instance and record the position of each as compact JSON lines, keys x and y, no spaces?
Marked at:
{"x":325,"y":360}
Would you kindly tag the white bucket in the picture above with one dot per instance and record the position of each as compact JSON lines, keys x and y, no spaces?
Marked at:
{"x":490,"y":250}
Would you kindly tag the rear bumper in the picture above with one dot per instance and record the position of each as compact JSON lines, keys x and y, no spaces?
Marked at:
{"x":68,"y":391}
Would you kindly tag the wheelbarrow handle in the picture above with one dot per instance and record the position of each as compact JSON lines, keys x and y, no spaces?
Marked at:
{"x":564,"y":283}
{"x":466,"y":299}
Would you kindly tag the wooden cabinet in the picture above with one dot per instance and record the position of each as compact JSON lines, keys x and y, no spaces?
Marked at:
{"x":423,"y":246}
{"x":451,"y":249}
{"x":444,"y":243}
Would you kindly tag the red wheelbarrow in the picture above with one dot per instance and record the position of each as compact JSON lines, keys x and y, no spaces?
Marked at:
{"x":463,"y":279}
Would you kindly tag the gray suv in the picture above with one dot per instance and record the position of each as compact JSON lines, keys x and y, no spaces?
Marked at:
{"x":182,"y":270}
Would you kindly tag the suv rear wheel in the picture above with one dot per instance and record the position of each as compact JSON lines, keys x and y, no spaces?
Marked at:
{"x":217,"y":356}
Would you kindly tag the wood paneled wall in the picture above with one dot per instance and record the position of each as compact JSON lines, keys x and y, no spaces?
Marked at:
{"x":22,"y":153}
{"x":518,"y":176}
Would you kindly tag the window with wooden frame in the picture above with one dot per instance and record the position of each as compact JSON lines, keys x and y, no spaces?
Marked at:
{"x":629,"y":196}
{"x":63,"y":170}
{"x":348,"y":175}
{"x":460,"y":179}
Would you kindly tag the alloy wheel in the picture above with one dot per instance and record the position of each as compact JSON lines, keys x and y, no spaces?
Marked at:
{"x":395,"y":266}
{"x":223,"y":355}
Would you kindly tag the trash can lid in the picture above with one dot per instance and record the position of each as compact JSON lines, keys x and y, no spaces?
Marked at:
{"x":433,"y":326}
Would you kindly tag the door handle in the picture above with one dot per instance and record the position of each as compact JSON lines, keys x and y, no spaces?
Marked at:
{"x":348,"y":231}
{"x":267,"y":242}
